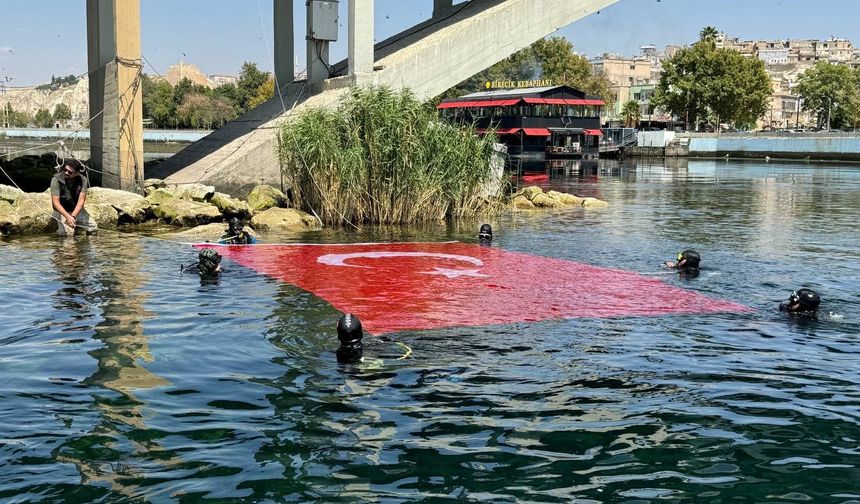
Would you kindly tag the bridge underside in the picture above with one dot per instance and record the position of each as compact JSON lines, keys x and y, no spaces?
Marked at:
{"x":428,"y":58}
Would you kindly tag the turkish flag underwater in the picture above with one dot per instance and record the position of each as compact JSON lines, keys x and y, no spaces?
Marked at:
{"x":400,"y":286}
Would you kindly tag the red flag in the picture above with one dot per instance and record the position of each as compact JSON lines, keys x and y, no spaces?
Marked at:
{"x":401,"y":286}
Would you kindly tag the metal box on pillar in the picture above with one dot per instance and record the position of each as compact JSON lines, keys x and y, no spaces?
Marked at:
{"x":323,"y":21}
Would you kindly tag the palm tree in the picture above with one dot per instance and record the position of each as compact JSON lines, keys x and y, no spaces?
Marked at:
{"x":709,"y":34}
{"x":631,"y":112}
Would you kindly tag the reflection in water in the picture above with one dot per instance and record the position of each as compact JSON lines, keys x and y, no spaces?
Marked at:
{"x":121,"y":380}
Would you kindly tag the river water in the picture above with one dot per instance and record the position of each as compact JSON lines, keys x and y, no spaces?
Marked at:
{"x":122,"y":380}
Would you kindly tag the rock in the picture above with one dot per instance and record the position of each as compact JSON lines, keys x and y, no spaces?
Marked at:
{"x":130,"y":207}
{"x":207,"y":232}
{"x":566,"y":199}
{"x":31,"y":172}
{"x":180,"y":212}
{"x":264,"y":197}
{"x":522,"y":203}
{"x":284,"y":219}
{"x":152,"y":184}
{"x":10,"y":194}
{"x":194,"y":192}
{"x":8,"y":221}
{"x":105,"y":215}
{"x":159,"y":196}
{"x":544,"y":201}
{"x":530,"y":192}
{"x":230,"y":206}
{"x":593,"y":203}
{"x":32,"y":214}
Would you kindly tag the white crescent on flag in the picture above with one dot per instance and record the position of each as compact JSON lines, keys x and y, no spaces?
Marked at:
{"x":340,"y":260}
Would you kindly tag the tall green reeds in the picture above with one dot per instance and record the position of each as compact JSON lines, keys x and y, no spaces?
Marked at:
{"x":384,"y":157}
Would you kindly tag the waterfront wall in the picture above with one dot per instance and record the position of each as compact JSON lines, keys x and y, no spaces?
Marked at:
{"x":149,"y":135}
{"x":813,"y":147}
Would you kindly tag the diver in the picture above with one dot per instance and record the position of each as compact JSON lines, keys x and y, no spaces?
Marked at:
{"x":687,"y":264}
{"x":485,"y":235}
{"x":235,"y":234}
{"x":350,"y":333}
{"x":803,"y":303}
{"x":208,"y":264}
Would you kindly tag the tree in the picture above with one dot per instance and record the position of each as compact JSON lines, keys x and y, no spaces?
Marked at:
{"x":62,"y":113}
{"x":709,"y":34}
{"x":158,"y":103}
{"x":703,"y":83}
{"x":16,"y":119}
{"x":631,"y":112}
{"x":551,"y":59}
{"x":831,"y":93}
{"x":264,"y":92}
{"x":43,"y":119}
{"x":250,"y":80}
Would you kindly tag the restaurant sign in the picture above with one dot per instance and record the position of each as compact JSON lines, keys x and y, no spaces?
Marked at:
{"x":517,"y":84}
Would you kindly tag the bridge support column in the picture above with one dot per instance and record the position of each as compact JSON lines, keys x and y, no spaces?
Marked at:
{"x":116,"y":105}
{"x":360,"y":36}
{"x":441,"y":6}
{"x":284,"y":45}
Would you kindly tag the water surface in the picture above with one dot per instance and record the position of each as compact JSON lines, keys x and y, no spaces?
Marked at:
{"x":122,"y":380}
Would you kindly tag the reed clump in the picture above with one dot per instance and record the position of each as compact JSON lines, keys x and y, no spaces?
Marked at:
{"x":384,"y":157}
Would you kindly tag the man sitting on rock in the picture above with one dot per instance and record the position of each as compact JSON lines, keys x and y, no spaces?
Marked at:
{"x":68,"y":196}
{"x":236,"y":234}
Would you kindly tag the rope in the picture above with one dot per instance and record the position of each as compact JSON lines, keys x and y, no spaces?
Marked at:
{"x":408,"y":352}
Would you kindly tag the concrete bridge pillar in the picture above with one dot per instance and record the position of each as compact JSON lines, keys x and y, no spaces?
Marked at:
{"x":284,"y":45}
{"x":116,"y":105}
{"x":360,"y":36}
{"x":441,"y":6}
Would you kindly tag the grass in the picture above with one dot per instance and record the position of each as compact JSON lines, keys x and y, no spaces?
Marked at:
{"x":384,"y":157}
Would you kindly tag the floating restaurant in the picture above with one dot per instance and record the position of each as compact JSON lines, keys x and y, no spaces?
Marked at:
{"x":534,"y":122}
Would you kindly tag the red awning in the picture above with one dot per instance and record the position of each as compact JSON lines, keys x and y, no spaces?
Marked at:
{"x":536,"y":131}
{"x":478,"y":103}
{"x":593,"y":132}
{"x":563,"y":101}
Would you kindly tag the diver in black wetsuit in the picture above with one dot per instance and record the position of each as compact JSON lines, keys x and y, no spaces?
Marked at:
{"x":485,"y":235}
{"x":208,"y":264}
{"x":236,"y":234}
{"x":350,"y":333}
{"x":802,"y":303}
{"x":687,"y":264}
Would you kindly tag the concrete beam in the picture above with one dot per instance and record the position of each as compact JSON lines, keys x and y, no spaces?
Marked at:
{"x":360,"y":36}
{"x":116,"y":104}
{"x":440,"y":7}
{"x":284,"y":31}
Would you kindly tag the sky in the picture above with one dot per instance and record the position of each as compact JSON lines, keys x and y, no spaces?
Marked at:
{"x":48,"y":37}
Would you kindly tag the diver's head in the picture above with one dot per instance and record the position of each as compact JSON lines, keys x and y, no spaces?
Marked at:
{"x":235,"y":226}
{"x":802,"y":301}
{"x":485,"y":235}
{"x":349,"y":332}
{"x":208,"y":262}
{"x":689,"y":260}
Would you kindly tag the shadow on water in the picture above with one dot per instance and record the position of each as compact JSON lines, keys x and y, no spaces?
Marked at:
{"x":123,"y":380}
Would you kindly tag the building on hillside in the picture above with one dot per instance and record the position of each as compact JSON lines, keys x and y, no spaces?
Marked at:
{"x":220,"y":80}
{"x":535,"y":123}
{"x":176,"y":73}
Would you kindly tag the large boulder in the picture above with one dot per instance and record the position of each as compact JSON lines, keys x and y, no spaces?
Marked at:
{"x":194,"y":192}
{"x":230,"y":206}
{"x":284,"y":219}
{"x":541,"y":200}
{"x":207,"y":232}
{"x":10,"y":194}
{"x":31,"y":172}
{"x":520,"y":202}
{"x":264,"y":197}
{"x":105,"y":215}
{"x":159,"y":196}
{"x":530,"y":192}
{"x":32,"y":214}
{"x":593,"y":203}
{"x":130,"y":207}
{"x":180,"y":212}
{"x":565,"y":198}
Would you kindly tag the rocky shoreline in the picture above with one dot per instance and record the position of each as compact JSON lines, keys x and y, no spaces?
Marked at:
{"x":202,"y":208}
